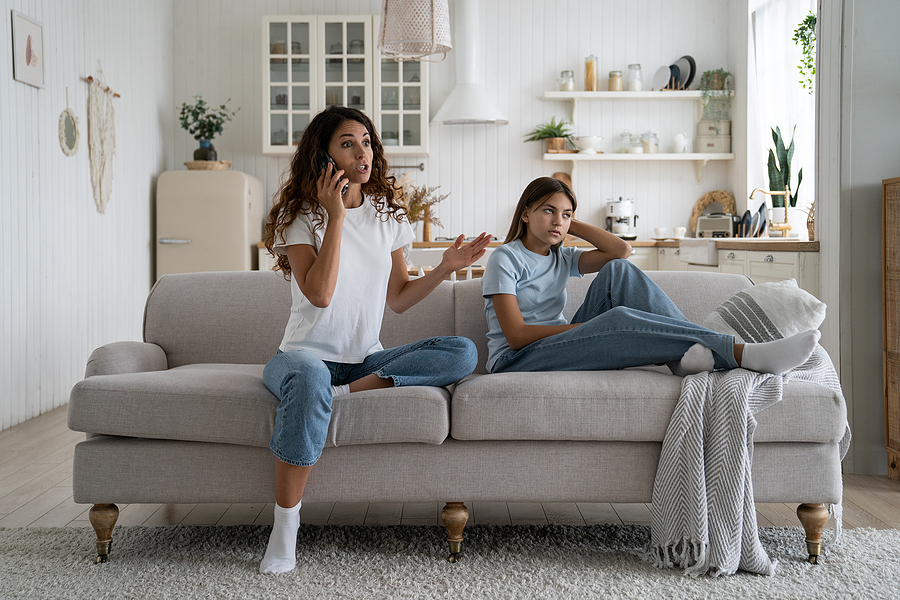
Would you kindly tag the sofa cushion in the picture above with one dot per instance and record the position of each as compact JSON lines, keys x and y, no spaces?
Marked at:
{"x":231,"y":404}
{"x":624,"y":405}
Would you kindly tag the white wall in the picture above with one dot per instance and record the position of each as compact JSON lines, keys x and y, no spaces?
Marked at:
{"x":523,"y":46}
{"x":72,"y":279}
{"x":870,"y":147}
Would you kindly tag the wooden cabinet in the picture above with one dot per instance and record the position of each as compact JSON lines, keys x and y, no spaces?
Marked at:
{"x":890,"y":190}
{"x":312,"y":62}
{"x":668,"y":259}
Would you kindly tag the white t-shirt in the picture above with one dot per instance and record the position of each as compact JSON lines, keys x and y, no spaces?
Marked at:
{"x":538,"y":283}
{"x":347,"y":330}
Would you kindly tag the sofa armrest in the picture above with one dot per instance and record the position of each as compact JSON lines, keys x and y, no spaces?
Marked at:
{"x":126,"y":357}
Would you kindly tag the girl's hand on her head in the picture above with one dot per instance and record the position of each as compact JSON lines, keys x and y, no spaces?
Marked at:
{"x":459,"y":256}
{"x":328,"y":190}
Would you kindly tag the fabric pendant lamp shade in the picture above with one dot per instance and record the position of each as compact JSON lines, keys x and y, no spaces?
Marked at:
{"x":414,"y":29}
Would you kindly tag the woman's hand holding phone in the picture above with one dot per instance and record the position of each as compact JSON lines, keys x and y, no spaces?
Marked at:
{"x":328,"y":188}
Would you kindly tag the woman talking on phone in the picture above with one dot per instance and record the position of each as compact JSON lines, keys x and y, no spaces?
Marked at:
{"x":338,"y":231}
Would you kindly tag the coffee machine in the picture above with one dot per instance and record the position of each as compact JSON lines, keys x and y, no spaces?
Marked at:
{"x":620,"y":218}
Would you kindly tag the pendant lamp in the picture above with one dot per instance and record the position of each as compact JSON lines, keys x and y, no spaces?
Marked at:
{"x":414,"y":29}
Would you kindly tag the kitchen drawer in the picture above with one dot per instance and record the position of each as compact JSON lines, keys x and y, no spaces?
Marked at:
{"x":668,"y":259}
{"x":768,"y":267}
{"x":644,"y":258}
{"x":733,"y":261}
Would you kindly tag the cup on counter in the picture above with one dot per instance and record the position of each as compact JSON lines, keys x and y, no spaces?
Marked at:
{"x":659,"y":232}
{"x":678,"y":232}
{"x":620,"y":228}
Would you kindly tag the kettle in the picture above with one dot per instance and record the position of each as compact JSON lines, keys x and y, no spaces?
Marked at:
{"x":682,"y":143}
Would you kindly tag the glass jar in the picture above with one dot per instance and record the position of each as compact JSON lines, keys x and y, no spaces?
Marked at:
{"x":637,"y":146}
{"x":624,"y":142}
{"x":567,"y":81}
{"x":635,"y":79}
{"x":590,"y":73}
{"x":650,"y":142}
{"x":615,"y":81}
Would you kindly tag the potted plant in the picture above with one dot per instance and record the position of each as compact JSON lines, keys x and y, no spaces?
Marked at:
{"x":204,"y":123}
{"x":716,"y":102}
{"x":555,"y":133}
{"x":418,"y":201}
{"x":780,"y":179}
{"x":805,"y":37}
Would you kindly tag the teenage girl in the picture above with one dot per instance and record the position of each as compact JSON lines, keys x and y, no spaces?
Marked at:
{"x":626,"y":320}
{"x":338,"y":234}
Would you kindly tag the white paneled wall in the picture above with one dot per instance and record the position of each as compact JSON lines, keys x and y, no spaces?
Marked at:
{"x":523,"y":47}
{"x":72,"y":279}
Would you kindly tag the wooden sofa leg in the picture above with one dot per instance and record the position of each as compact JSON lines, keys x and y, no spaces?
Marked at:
{"x":813,"y":517}
{"x":454,"y":516}
{"x":103,"y":518}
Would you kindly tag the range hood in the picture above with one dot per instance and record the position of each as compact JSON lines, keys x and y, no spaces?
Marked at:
{"x":468,"y":103}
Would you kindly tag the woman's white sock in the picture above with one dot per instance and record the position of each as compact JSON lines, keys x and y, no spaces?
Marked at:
{"x":782,"y":355}
{"x":697,"y":359}
{"x":281,"y":553}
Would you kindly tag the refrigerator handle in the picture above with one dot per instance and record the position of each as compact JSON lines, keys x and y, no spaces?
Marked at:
{"x":173,"y":241}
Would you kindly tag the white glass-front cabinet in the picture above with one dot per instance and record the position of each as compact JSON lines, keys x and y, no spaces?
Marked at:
{"x":312,"y":62}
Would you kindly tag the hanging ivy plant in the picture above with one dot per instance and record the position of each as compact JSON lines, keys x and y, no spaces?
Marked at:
{"x":805,"y":37}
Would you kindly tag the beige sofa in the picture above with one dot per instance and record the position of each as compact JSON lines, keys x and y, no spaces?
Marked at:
{"x":184,"y":416}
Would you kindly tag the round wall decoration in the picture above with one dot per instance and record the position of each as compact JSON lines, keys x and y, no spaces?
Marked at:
{"x":68,"y":132}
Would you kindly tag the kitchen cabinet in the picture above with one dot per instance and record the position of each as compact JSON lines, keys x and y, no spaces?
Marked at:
{"x":311,"y":62}
{"x":644,"y":258}
{"x":890,"y":191}
{"x":668,"y":259}
{"x":698,"y":159}
{"x":733,"y":261}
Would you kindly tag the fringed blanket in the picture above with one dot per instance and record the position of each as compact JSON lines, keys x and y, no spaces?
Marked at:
{"x":703,"y":514}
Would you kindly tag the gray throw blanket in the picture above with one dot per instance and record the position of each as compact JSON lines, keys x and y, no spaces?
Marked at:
{"x":703,"y":514}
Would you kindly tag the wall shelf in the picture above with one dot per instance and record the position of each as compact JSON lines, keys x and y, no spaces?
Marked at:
{"x":699,"y":159}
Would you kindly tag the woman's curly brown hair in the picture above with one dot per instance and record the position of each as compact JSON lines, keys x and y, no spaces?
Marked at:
{"x":299,"y":195}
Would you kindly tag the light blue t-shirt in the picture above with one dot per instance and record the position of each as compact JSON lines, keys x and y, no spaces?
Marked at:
{"x":538,"y":282}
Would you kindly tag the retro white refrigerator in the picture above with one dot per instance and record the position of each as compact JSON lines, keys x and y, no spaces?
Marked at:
{"x":208,"y":221}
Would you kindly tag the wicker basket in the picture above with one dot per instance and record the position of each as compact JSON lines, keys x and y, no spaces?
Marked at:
{"x":208,"y":165}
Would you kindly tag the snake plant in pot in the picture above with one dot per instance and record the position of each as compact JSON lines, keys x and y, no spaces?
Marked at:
{"x":780,"y":180}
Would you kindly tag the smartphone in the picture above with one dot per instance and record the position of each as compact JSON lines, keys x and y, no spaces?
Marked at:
{"x":324,"y":159}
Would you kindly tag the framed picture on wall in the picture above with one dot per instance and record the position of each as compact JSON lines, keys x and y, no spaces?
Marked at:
{"x":28,"y":50}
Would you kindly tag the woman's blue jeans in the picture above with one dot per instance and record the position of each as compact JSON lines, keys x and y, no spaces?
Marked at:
{"x":302,"y":382}
{"x":626,"y":321}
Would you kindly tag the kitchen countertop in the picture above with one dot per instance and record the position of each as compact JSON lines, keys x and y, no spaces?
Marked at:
{"x":762,"y":244}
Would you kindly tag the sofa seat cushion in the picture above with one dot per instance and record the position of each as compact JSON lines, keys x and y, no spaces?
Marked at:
{"x":632,"y":405}
{"x":229,"y":403}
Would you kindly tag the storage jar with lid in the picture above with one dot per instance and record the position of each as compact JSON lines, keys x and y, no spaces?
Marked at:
{"x":635,"y":78}
{"x":637,"y":146}
{"x":567,"y":81}
{"x":615,"y":81}
{"x":650,"y":142}
{"x":590,"y":73}
{"x":624,"y":142}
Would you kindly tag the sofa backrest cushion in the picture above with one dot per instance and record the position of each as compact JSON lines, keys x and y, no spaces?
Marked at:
{"x":220,"y":317}
{"x":696,"y":293}
{"x":431,"y":317}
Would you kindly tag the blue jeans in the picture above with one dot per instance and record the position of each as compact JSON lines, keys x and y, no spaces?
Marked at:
{"x":302,"y":382}
{"x":626,"y":321}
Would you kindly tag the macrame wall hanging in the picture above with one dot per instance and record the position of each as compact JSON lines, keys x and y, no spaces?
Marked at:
{"x":101,"y":138}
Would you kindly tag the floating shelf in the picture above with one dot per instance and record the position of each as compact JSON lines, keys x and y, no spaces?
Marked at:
{"x":699,"y":159}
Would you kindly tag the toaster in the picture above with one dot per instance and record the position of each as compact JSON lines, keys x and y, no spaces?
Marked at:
{"x":715,"y":226}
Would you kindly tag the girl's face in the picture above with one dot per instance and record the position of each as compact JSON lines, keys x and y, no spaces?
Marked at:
{"x":351,"y":149}
{"x":548,"y":223}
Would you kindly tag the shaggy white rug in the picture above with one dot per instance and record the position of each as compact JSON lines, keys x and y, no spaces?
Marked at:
{"x":553,"y":561}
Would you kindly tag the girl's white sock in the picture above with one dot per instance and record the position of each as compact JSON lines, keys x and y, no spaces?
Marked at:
{"x":697,"y":359}
{"x":781,"y":355}
{"x":340,"y":390}
{"x":281,"y":553}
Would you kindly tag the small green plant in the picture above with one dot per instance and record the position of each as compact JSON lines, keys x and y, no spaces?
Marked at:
{"x":550,"y":130}
{"x":780,"y":170}
{"x":203,"y":122}
{"x":805,"y":37}
{"x":716,"y":105}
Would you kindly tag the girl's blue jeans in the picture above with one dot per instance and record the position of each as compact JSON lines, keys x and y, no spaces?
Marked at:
{"x":302,"y":382}
{"x":626,"y":321}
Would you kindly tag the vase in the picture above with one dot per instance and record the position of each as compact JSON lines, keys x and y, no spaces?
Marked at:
{"x":206,"y":151}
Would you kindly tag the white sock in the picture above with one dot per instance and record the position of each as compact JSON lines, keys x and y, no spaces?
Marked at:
{"x":281,"y":553}
{"x":781,"y":355}
{"x":697,"y":359}
{"x":340,"y":390}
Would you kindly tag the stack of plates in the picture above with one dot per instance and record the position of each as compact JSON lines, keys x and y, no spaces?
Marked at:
{"x":677,"y":76}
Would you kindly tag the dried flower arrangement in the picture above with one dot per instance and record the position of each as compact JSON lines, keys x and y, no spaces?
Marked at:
{"x":418,"y":201}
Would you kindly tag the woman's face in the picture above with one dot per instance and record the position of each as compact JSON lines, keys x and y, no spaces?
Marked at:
{"x":351,"y":149}
{"x":548,"y":223}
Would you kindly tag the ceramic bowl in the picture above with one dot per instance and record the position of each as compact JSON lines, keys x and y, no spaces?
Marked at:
{"x":588,"y":144}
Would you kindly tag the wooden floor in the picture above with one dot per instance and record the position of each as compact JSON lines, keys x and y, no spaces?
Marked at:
{"x":36,"y":491}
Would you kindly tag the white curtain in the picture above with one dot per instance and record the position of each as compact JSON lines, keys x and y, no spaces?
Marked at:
{"x":780,"y":98}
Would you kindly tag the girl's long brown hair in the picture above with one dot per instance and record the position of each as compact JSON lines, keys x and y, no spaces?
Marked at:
{"x":534,"y":195}
{"x":299,"y":195}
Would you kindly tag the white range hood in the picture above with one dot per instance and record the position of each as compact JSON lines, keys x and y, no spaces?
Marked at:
{"x":468,"y":103}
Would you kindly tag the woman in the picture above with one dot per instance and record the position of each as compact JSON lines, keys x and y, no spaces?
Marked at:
{"x":626,"y":320}
{"x":338,"y":232}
